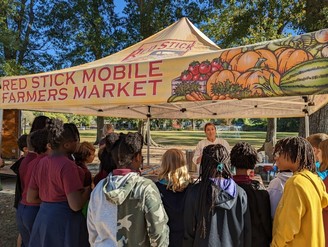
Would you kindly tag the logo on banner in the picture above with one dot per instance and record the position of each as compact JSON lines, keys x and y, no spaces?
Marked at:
{"x":160,"y":49}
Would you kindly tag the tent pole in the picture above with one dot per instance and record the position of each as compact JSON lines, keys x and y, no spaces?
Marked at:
{"x":148,"y":135}
{"x":307,"y":126}
{"x":274,"y":137}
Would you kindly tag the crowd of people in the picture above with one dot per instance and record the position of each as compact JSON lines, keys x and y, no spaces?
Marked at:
{"x":59,"y":203}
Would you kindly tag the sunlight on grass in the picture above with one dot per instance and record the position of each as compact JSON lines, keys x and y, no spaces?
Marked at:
{"x":191,"y":138}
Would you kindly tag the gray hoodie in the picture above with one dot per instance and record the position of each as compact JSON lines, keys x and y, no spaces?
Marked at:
{"x":276,"y":188}
{"x":127,"y":211}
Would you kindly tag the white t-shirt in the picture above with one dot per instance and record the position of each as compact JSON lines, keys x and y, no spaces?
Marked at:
{"x":204,"y":143}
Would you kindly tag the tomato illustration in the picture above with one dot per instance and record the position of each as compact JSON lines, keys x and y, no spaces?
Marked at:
{"x":194,"y":67}
{"x":203,"y":77}
{"x":186,"y":75}
{"x":196,"y":77}
{"x":205,"y":67}
{"x":217,"y":63}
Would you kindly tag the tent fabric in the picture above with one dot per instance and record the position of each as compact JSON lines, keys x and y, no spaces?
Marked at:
{"x":180,"y":73}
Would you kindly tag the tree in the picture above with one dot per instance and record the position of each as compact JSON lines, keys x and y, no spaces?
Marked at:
{"x":235,"y":22}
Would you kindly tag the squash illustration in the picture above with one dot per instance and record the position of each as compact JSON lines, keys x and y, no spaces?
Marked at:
{"x":310,"y":77}
{"x":247,"y":60}
{"x":289,"y":57}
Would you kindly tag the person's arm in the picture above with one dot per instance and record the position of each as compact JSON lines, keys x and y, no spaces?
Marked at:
{"x":291,"y":207}
{"x":92,"y":230}
{"x":33,"y":196}
{"x":77,"y":199}
{"x":190,"y":221}
{"x":156,"y":218}
{"x":198,"y":154}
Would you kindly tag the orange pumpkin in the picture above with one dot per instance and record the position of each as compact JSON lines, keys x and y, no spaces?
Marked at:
{"x":289,"y":57}
{"x":221,"y":76}
{"x":248,"y":60}
{"x":321,"y":36}
{"x":252,"y":77}
{"x":227,"y":55}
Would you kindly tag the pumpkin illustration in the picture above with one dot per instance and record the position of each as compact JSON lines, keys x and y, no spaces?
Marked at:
{"x":247,"y":60}
{"x":253,"y":76}
{"x":227,"y":55}
{"x":289,"y":57}
{"x":221,"y":76}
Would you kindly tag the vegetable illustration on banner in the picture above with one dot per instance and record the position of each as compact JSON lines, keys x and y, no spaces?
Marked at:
{"x":286,"y":67}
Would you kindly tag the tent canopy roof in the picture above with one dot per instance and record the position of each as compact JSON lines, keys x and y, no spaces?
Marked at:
{"x":180,"y":73}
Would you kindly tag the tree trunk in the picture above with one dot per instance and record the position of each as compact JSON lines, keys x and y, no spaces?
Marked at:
{"x":318,"y":122}
{"x":270,"y":139}
{"x":100,"y":126}
{"x":144,"y":134}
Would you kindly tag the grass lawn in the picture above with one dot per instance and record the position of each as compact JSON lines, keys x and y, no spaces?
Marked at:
{"x":191,"y":138}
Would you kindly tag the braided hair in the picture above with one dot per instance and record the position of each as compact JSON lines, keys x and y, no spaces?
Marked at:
{"x":297,"y":150}
{"x":243,"y":155}
{"x":213,"y":156}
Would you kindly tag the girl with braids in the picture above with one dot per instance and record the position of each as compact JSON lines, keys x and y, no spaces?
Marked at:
{"x":298,"y":219}
{"x":173,"y":182}
{"x":57,"y":184}
{"x":216,"y":211}
{"x":243,"y":158}
{"x":125,"y":209}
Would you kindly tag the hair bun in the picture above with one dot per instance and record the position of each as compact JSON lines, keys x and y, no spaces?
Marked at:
{"x":134,"y":141}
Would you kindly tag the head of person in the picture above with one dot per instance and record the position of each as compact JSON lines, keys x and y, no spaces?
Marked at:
{"x":74,"y":128}
{"x":62,"y":138}
{"x":109,"y":155}
{"x":295,"y":154}
{"x":85,"y":153}
{"x":129,"y":151}
{"x":210,"y":131}
{"x":40,"y":141}
{"x":174,"y":170}
{"x":315,"y":140}
{"x":243,"y":156}
{"x":39,"y":122}
{"x":107,"y":129}
{"x":215,"y":162}
{"x":323,"y":155}
{"x":22,"y":143}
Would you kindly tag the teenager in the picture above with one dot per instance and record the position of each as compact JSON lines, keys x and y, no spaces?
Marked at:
{"x":172,"y":185}
{"x":216,"y":211}
{"x":125,"y":209}
{"x":298,"y":219}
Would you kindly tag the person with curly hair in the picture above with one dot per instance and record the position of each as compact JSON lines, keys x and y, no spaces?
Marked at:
{"x":125,"y":209}
{"x":85,"y":154}
{"x":174,"y":180}
{"x":244,"y":157}
{"x":298,"y":219}
{"x":216,"y":211}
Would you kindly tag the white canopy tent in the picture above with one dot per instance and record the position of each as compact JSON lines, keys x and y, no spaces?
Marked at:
{"x":180,"y":73}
